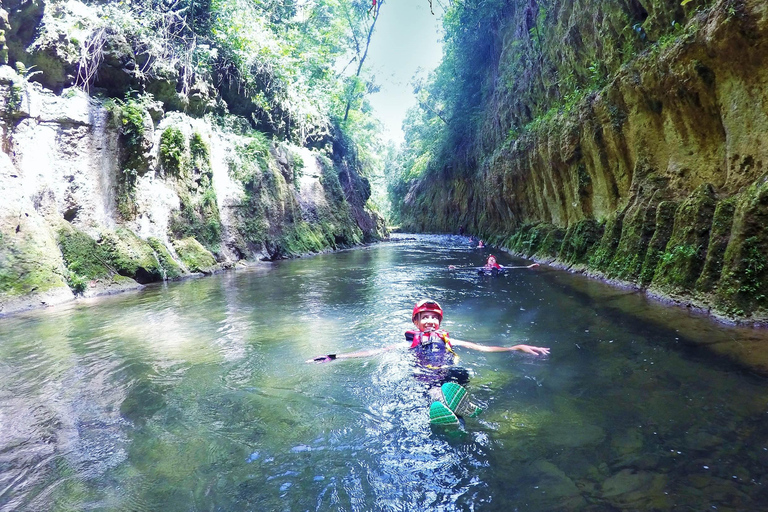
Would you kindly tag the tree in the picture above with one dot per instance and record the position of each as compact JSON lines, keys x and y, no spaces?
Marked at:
{"x":361,"y":28}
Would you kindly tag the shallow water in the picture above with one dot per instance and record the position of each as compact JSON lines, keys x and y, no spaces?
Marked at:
{"x":194,"y":395}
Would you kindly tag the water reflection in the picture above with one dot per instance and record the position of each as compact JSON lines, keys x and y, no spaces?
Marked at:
{"x":194,"y":396}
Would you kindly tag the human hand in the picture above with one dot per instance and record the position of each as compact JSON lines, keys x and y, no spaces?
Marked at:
{"x":530,"y":349}
{"x":322,"y":359}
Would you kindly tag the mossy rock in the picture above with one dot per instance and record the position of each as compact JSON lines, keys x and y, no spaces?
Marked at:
{"x":174,"y":153}
{"x":665,"y":221}
{"x":528,"y":238}
{"x":603,"y":252}
{"x":683,"y":258}
{"x":719,"y":236}
{"x":194,"y":256}
{"x":30,"y":263}
{"x":637,"y":230}
{"x":302,"y":237}
{"x":170,"y":266}
{"x":84,"y":258}
{"x":551,"y":242}
{"x":198,"y":218}
{"x":82,"y":254}
{"x":743,"y":286}
{"x":131,"y":256}
{"x":578,"y":240}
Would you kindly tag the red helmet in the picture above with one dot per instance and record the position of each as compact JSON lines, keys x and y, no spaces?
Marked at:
{"x":427,"y":305}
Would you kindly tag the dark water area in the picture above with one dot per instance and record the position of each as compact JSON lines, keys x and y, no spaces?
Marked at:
{"x":194,"y":396}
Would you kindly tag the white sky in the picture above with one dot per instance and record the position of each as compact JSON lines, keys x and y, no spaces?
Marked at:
{"x":406,"y":38}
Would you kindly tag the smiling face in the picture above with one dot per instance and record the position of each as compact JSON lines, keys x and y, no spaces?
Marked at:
{"x":427,"y":321}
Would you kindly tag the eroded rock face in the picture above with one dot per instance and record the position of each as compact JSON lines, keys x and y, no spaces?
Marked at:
{"x":649,"y":157}
{"x":117,"y":71}
{"x":98,"y":200}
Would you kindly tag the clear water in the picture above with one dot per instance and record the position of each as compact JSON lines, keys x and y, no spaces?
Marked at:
{"x":194,"y":396}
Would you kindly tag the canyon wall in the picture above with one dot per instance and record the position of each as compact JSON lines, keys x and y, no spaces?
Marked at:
{"x":655,"y":177}
{"x":100,"y":196}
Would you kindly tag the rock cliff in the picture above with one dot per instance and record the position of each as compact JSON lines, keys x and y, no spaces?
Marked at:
{"x":102,"y":195}
{"x":623,"y":139}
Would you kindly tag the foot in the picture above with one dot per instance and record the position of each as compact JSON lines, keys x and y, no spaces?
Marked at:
{"x":439,"y":414}
{"x":455,"y":397}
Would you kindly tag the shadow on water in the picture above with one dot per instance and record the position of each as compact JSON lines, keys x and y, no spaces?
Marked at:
{"x":194,"y":395}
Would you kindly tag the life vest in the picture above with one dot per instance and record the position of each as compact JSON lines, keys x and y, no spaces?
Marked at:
{"x":433,"y":349}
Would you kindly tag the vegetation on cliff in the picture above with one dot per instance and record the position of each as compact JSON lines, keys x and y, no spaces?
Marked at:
{"x":620,"y":138}
{"x":235,"y":131}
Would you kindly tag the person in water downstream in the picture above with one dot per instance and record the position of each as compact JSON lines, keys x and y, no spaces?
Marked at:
{"x":436,"y":359}
{"x":493,"y":265}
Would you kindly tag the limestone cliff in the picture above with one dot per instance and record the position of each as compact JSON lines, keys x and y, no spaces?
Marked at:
{"x":101,"y":195}
{"x":655,"y":176}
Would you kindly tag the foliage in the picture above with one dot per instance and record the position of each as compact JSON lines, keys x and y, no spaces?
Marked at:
{"x":194,"y":256}
{"x":129,"y":116}
{"x":297,"y":167}
{"x":511,"y":67}
{"x":173,"y":149}
{"x":199,"y":217}
{"x":130,"y":256}
{"x":294,"y":69}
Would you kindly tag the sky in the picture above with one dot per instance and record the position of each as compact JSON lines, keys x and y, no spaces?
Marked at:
{"x":406,"y":38}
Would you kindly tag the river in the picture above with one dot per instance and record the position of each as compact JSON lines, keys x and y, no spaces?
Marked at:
{"x":194,"y":395}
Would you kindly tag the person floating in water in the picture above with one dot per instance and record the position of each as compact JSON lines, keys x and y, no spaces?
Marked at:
{"x":480,"y":245}
{"x":492,"y":266}
{"x":436,"y":360}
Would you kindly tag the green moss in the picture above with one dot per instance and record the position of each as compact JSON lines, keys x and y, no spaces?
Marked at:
{"x":126,"y":193}
{"x":683,"y":259}
{"x":637,"y":229}
{"x":84,"y":258}
{"x":743,"y":286}
{"x":199,"y":218}
{"x":82,"y":255}
{"x":578,"y":240}
{"x":198,"y":148}
{"x":530,"y":237}
{"x":719,"y":237}
{"x":303,"y":237}
{"x":173,"y":151}
{"x":297,"y":167}
{"x":194,"y":256}
{"x":171,"y":269}
{"x":603,"y":253}
{"x":199,"y":215}
{"x":665,"y":221}
{"x":329,"y":179}
{"x":551,"y":242}
{"x":129,"y":116}
{"x":27,"y":267}
{"x":131,"y":256}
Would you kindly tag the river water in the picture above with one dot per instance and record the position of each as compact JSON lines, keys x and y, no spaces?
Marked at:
{"x":194,"y":396}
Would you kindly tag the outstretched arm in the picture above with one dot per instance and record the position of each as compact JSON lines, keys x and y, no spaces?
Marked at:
{"x":532,"y":265}
{"x":528,"y":349}
{"x":360,"y":353}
